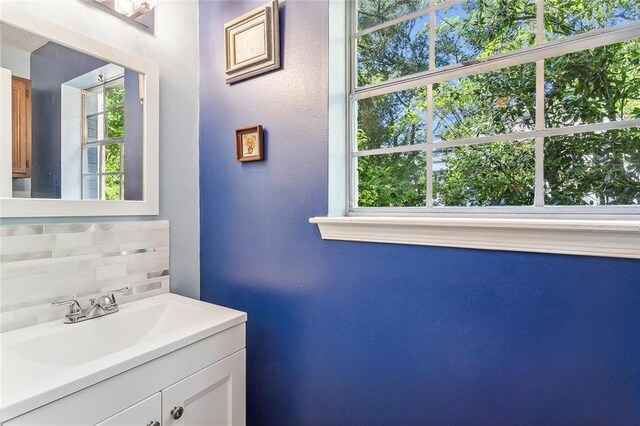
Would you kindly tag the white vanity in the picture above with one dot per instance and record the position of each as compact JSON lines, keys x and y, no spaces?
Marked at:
{"x":164,"y":360}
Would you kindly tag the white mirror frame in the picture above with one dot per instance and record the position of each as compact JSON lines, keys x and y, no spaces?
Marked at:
{"x":39,"y":207}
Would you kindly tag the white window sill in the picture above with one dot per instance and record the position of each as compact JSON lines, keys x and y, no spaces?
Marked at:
{"x":611,"y":238}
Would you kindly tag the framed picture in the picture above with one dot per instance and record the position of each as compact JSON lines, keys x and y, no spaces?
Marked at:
{"x":252,"y":43}
{"x":249,"y":144}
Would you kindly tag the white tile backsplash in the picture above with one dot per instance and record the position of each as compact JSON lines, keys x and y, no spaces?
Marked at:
{"x":42,"y":263}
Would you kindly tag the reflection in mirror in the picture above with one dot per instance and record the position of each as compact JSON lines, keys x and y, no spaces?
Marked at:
{"x":138,"y":11}
{"x":77,"y":122}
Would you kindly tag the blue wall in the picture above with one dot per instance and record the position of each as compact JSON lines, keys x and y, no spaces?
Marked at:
{"x":375,"y":334}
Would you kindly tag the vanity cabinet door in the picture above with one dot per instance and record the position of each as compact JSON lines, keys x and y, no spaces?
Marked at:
{"x":214,"y":396}
{"x":145,"y":413}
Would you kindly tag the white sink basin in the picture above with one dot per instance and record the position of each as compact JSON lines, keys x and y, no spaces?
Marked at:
{"x":74,"y":344}
{"x":47,"y":361}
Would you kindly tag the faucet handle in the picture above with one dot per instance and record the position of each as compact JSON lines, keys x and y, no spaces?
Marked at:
{"x":74,"y":305}
{"x":75,"y":311}
{"x":111,"y":294}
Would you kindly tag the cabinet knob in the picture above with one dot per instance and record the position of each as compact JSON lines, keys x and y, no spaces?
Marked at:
{"x":153,"y":423}
{"x":177,"y":412}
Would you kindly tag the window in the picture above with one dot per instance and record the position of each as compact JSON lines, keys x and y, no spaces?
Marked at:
{"x":103,"y":141}
{"x":487,"y":103}
{"x":487,"y":113}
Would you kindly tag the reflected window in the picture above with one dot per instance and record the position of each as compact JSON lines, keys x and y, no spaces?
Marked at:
{"x":103,"y":141}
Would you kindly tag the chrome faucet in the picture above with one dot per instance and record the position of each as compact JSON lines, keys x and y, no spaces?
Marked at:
{"x":103,"y":305}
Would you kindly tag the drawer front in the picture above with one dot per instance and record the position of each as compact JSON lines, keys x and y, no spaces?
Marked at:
{"x":145,"y":412}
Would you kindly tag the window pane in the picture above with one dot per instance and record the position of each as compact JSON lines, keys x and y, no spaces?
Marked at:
{"x":599,"y":168}
{"x":395,"y":51}
{"x":497,"y":102}
{"x":496,"y":174}
{"x":112,"y":157}
{"x":395,"y":119}
{"x":115,"y":123}
{"x":480,"y":28}
{"x":565,"y":18}
{"x":392,"y":180}
{"x":95,"y":128}
{"x":94,"y":100}
{"x":91,"y":157}
{"x":111,"y":187}
{"x":90,"y":187}
{"x":593,"y":86}
{"x":374,"y":12}
{"x":114,"y":93}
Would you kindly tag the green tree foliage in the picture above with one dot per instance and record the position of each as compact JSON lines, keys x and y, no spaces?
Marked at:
{"x":400,"y":182}
{"x":601,"y":84}
{"x":507,"y":175}
{"x":114,"y":104}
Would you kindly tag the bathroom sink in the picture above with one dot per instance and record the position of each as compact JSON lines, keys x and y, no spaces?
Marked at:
{"x":44,"y":362}
{"x":75,"y":344}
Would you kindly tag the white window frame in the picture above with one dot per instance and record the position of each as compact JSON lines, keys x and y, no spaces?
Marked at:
{"x":582,"y":230}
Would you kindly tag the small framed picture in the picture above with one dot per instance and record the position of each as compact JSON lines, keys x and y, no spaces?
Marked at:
{"x":249,"y":144}
{"x":252,"y":43}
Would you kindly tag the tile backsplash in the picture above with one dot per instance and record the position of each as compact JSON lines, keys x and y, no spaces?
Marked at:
{"x":43,"y":263}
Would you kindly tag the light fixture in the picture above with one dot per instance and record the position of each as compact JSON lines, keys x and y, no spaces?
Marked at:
{"x":134,"y":8}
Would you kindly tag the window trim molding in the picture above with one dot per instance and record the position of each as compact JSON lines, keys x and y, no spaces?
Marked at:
{"x":338,"y":107}
{"x":586,"y":237}
{"x":608,"y":232}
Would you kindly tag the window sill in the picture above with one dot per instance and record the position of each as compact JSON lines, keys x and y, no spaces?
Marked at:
{"x":610,"y":238}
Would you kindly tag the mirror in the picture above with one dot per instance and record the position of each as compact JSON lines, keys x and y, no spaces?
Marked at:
{"x":76,"y":121}
{"x":80,"y":122}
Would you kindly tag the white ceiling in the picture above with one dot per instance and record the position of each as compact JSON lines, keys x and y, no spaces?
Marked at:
{"x":20,"y":39}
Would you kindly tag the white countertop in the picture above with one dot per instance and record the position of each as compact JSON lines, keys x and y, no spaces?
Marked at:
{"x":45,"y":362}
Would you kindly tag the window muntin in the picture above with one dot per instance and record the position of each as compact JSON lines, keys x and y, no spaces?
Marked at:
{"x":522,"y":110}
{"x":103,"y":141}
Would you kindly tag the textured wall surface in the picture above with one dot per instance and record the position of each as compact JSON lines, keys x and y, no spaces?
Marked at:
{"x":375,"y":334}
{"x":42,"y":263}
{"x":174,"y":48}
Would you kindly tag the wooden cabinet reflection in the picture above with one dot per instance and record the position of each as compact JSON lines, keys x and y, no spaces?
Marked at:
{"x":21,"y":125}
